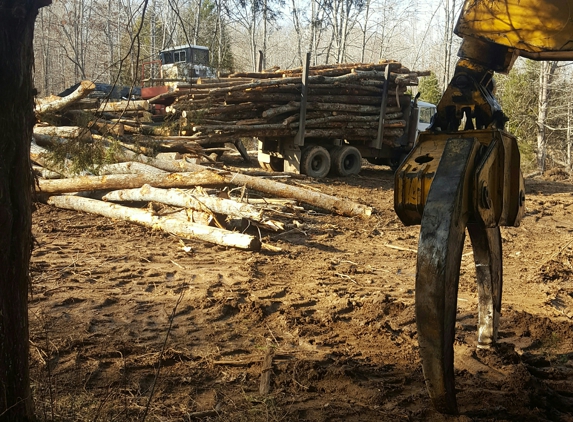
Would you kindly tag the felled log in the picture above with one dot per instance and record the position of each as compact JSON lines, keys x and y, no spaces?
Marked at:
{"x":45,"y":173}
{"x":105,"y":127}
{"x":86,"y":104}
{"x":146,"y":218}
{"x":47,"y":141}
{"x":129,"y":167}
{"x":147,"y":129}
{"x":180,"y":198}
{"x":130,"y":181}
{"x":82,"y":91}
{"x":120,"y":106}
{"x":317,"y":199}
{"x":72,"y":132}
{"x":173,"y":166}
{"x":38,"y":155}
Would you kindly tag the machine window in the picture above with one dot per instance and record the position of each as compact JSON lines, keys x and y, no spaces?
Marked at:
{"x":179,"y":56}
{"x":201,"y":56}
{"x":426,"y":114}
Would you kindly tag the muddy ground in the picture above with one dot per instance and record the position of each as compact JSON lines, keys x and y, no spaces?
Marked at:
{"x":126,"y":325}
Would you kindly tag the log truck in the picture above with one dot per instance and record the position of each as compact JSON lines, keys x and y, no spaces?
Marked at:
{"x":319,"y":157}
{"x":464,"y":173}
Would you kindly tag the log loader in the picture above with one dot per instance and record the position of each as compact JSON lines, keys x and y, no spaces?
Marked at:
{"x":464,"y":173}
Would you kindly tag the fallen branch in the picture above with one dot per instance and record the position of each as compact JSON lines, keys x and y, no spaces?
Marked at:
{"x":400,"y":248}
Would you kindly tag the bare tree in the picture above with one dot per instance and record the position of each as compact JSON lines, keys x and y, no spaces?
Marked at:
{"x":343,"y":15}
{"x":365,"y":29}
{"x":546,"y":74}
{"x":298,"y":29}
{"x":450,"y":16}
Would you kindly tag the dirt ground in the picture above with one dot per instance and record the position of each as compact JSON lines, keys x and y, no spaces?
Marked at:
{"x":126,"y":325}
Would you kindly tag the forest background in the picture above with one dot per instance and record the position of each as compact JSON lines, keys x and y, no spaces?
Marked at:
{"x":108,"y":41}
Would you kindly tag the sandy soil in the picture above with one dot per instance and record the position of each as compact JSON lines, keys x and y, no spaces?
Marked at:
{"x":126,"y":325}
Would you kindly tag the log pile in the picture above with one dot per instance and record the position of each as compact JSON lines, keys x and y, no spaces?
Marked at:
{"x":192,"y":213}
{"x":343,"y":102}
{"x":77,"y":118}
{"x":178,"y":184}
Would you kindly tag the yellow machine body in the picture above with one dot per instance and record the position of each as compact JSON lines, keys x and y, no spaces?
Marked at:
{"x":540,"y":30}
{"x":495,"y":191}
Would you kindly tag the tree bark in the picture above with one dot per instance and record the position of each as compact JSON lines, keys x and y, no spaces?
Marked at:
{"x":16,"y":121}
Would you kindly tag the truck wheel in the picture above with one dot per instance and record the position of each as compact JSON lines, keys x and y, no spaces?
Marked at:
{"x":315,"y":161}
{"x":346,"y":160}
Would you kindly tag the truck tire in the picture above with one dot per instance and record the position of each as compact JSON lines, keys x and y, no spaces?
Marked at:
{"x":315,"y":161}
{"x":346,"y":160}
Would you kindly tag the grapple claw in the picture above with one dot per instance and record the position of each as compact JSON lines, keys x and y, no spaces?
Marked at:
{"x":486,"y":244}
{"x":436,"y":187}
{"x":438,"y":268}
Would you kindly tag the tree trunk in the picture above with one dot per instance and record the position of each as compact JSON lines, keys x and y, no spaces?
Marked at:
{"x":545,"y":76}
{"x":569,"y":137}
{"x":16,"y":121}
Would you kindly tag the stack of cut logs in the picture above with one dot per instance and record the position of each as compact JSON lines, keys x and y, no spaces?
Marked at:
{"x":190,"y":193}
{"x":343,"y":102}
{"x":128,"y":123}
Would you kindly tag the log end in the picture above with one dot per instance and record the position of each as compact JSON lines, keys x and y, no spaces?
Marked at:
{"x":88,"y":86}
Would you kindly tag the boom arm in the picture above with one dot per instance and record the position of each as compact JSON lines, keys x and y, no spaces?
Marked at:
{"x":455,"y":179}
